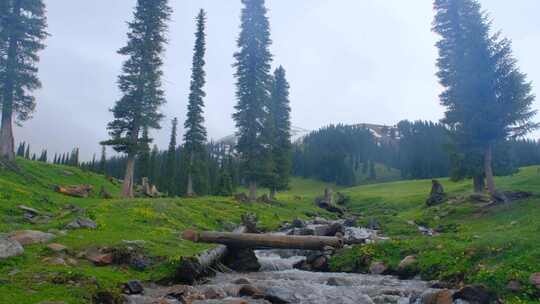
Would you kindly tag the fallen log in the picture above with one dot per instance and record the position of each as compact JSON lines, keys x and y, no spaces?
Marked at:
{"x":264,"y":241}
{"x":192,"y":269}
{"x":82,"y":191}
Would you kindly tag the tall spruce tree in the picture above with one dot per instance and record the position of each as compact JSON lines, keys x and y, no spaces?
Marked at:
{"x":487,"y":97}
{"x":22,"y":32}
{"x":280,"y":112}
{"x":253,"y":65}
{"x":172,"y":160}
{"x":195,"y":136}
{"x":144,"y":155}
{"x":140,"y":84}
{"x":103,"y":160}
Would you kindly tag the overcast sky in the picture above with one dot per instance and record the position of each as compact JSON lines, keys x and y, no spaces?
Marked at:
{"x":349,"y":61}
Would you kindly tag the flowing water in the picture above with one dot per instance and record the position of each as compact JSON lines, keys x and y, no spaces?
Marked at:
{"x":281,"y":283}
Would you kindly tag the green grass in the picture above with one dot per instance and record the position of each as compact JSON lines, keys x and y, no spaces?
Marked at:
{"x":489,"y":246}
{"x":158,"y":222}
{"x":480,"y":245}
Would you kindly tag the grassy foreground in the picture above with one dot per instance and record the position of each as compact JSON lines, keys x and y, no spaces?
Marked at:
{"x":492,"y":246}
{"x":478,"y":244}
{"x":158,"y":223}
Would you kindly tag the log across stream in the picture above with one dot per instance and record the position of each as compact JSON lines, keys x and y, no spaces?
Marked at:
{"x":278,"y":281}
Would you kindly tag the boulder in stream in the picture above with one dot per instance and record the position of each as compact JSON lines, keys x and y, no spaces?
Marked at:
{"x":476,"y":294}
{"x":242,"y":260}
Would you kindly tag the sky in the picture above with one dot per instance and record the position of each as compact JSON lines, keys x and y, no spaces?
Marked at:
{"x":347,"y":61}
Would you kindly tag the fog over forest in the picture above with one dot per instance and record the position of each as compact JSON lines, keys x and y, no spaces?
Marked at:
{"x":370,"y":61}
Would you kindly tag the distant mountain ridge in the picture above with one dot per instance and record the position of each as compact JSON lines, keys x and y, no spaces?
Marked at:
{"x":381,"y":133}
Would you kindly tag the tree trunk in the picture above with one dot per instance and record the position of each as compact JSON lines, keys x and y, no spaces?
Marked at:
{"x":192,"y":269}
{"x":190,"y":191}
{"x":252,"y":191}
{"x":489,"y":171}
{"x":263,"y":241}
{"x":273,"y":193}
{"x":479,"y":183}
{"x":127,"y":187}
{"x":7,"y":142}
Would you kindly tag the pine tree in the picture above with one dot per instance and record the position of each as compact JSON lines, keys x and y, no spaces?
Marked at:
{"x":103,"y":160}
{"x":195,"y":136}
{"x":144,"y":155}
{"x":253,"y":64}
{"x":372,"y":172}
{"x":22,"y":32}
{"x":74,"y":158}
{"x":43,"y":157}
{"x":154,"y":165}
{"x":281,"y":132}
{"x":27,"y":152}
{"x":140,"y":84}
{"x":171,"y":160}
{"x":486,"y":95}
{"x":21,"y":149}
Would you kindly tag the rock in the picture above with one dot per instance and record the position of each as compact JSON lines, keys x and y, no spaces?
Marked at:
{"x":242,"y":260}
{"x":437,"y":297}
{"x":534,"y":279}
{"x":475,"y":294}
{"x":72,"y":262}
{"x":514,"y":286}
{"x":408,"y":267}
{"x":350,"y":222}
{"x":298,"y":223}
{"x":302,"y":231}
{"x":334,"y":281}
{"x":10,"y":248}
{"x":133,"y":287}
{"x":57,"y":247}
{"x":55,"y":261}
{"x":82,"y":223}
{"x":242,"y":281}
{"x":236,"y":301}
{"x":250,"y":221}
{"x":98,"y":258}
{"x":407,"y":261}
{"x":29,"y":210}
{"x":74,"y":208}
{"x":320,"y":264}
{"x":212,"y":293}
{"x":377,"y":268}
{"x":250,"y":291}
{"x":314,"y":262}
{"x":437,"y":195}
{"x":37,"y":220}
{"x":279,"y":295}
{"x":28,"y":237}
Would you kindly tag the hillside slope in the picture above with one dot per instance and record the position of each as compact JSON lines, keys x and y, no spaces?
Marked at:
{"x":154,"y":225}
{"x":477,"y":243}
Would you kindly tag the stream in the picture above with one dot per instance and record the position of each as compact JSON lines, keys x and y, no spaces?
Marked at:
{"x":279,"y":282}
